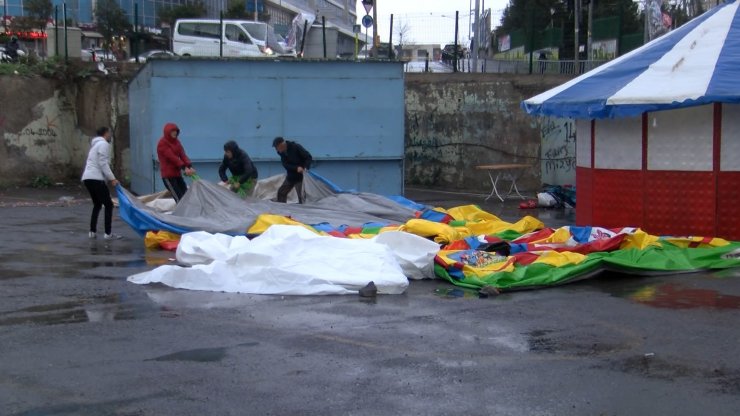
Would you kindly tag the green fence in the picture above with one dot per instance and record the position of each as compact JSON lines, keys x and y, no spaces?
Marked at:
{"x":554,"y":38}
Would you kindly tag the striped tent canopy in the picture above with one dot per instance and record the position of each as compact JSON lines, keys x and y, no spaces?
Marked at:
{"x":696,"y":64}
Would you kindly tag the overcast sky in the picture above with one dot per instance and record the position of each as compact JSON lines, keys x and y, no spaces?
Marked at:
{"x":430,"y":21}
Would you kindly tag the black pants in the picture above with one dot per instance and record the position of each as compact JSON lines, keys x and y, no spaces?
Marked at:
{"x":282,"y":194}
{"x":176,"y":186}
{"x":100,"y":195}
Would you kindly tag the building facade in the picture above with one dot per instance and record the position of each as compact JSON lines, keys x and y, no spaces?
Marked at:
{"x":340,"y":14}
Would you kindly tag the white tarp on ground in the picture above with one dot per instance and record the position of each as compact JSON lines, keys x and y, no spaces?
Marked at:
{"x":291,"y":260}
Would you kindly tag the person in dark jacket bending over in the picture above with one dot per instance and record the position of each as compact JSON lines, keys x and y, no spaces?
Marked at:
{"x":243,"y":171}
{"x":173,"y":160}
{"x":296,"y":160}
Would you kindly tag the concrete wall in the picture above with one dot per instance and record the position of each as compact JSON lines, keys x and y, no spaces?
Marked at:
{"x":452,"y":123}
{"x":457,"y":121}
{"x":46,"y":126}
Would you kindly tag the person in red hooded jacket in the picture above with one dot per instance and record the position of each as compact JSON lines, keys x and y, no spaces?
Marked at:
{"x":173,"y":161}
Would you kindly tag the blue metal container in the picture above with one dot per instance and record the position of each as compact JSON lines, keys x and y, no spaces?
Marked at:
{"x":349,"y":115}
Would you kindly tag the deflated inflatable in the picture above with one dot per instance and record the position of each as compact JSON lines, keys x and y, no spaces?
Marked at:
{"x":338,"y":242}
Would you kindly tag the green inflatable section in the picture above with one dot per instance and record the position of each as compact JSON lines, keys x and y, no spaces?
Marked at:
{"x":666,"y":259}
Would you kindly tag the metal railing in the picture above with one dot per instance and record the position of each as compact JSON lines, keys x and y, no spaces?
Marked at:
{"x":563,"y":67}
{"x":552,"y":67}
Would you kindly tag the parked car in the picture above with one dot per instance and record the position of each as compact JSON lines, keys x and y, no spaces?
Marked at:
{"x":152,"y":53}
{"x":97,"y":55}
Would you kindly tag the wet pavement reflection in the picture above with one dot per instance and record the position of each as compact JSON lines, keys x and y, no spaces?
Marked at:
{"x":678,"y":296}
{"x":676,"y":291}
{"x":104,"y":308}
{"x":157,"y":350}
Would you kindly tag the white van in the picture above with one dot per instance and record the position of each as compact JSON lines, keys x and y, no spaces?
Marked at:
{"x":203,"y":37}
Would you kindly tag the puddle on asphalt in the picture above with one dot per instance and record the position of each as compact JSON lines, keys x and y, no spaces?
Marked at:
{"x":113,"y":307}
{"x":663,"y":294}
{"x":115,"y":263}
{"x":677,"y":296}
{"x":465,"y":293}
{"x":727,"y":273}
{"x":671,"y":295}
{"x":159,"y":257}
{"x":200,"y":355}
{"x":724,"y":380}
{"x":13,"y":274}
{"x":456,"y":292}
{"x":540,"y":341}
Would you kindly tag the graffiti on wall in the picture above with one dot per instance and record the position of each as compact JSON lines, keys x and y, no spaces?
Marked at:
{"x":558,"y":151}
{"x":49,"y":137}
{"x":47,"y":131}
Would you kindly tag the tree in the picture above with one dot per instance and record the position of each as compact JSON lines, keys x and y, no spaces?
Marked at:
{"x":169,"y":15}
{"x":237,"y":9}
{"x":22,"y":24}
{"x":403,"y":29}
{"x":530,"y":16}
{"x":111,"y":20}
{"x":631,"y":16}
{"x":533,"y":16}
{"x":40,"y":11}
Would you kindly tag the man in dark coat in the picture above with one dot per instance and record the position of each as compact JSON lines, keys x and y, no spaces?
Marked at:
{"x":243,"y":172}
{"x":296,"y":161}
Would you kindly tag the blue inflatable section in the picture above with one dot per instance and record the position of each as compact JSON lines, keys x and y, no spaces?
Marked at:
{"x":140,"y":220}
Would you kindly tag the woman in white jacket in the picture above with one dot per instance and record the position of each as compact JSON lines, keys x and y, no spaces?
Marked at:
{"x":97,"y":172}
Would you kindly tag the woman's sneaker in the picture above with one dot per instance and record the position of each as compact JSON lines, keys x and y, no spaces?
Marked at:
{"x":113,"y":237}
{"x":92,"y":234}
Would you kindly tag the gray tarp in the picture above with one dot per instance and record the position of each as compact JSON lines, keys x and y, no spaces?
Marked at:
{"x":212,"y":208}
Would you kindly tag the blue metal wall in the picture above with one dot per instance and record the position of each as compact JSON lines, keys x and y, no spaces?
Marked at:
{"x":349,"y":115}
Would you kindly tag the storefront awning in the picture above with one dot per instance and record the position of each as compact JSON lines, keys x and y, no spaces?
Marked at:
{"x":92,"y":35}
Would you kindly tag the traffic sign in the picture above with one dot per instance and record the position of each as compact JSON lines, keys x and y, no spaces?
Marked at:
{"x":368,"y":5}
{"x":367,"y":20}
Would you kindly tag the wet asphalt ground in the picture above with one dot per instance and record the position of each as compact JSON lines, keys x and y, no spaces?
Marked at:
{"x":77,"y":339}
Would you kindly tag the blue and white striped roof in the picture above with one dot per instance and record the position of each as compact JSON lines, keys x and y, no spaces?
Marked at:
{"x":698,"y":63}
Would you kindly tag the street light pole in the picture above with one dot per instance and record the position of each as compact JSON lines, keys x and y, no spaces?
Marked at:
{"x":646,"y":31}
{"x":476,"y":36}
{"x":5,"y":13}
{"x":576,"y":19}
{"x":376,"y":40}
{"x":589,"y":40}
